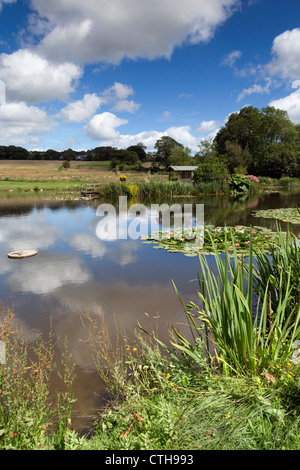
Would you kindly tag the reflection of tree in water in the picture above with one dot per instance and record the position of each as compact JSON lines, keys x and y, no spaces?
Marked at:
{"x":228,"y":211}
{"x":21,"y":206}
{"x":221,"y":211}
{"x":15,"y":210}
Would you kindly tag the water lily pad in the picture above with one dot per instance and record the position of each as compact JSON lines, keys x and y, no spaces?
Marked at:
{"x":291,"y":215}
{"x":198,"y":241}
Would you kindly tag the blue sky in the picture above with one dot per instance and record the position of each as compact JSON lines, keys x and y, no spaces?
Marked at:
{"x":79,"y":75}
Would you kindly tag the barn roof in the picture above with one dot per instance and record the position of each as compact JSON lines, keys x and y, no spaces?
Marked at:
{"x":182,"y":168}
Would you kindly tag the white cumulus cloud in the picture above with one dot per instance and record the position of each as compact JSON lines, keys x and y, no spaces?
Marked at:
{"x":291,"y":104}
{"x":32,"y":78}
{"x":118,"y":91}
{"x":207,"y":126}
{"x":20,"y":123}
{"x":182,"y":134}
{"x":128,"y":106}
{"x":118,"y":94}
{"x":101,"y":30}
{"x":286,"y":55}
{"x":103,"y":126}
{"x":81,"y":110}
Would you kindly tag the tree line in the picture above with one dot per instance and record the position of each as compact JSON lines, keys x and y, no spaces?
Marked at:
{"x":12,"y":152}
{"x":258,"y":142}
{"x":262,"y":142}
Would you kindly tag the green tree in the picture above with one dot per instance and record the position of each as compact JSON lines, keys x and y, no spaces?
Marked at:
{"x":297,"y":129}
{"x":164,"y":147}
{"x":259,"y":132}
{"x":66,"y":164}
{"x":181,"y":156}
{"x":279,"y":161}
{"x":69,"y":154}
{"x":123,"y":158}
{"x":13,"y":153}
{"x":211,"y":170}
{"x":51,"y":154}
{"x":139,"y":149}
{"x":237,"y":158}
{"x":207,"y":150}
{"x":103,"y":153}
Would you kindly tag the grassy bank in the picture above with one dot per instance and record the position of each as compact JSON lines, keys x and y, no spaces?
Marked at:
{"x":241,"y":394}
{"x":19,"y":175}
{"x":40,"y":185}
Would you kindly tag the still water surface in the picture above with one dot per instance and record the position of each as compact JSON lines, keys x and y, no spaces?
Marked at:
{"x":124,"y":280}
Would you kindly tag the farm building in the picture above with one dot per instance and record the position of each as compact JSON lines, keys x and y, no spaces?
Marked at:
{"x":183,"y":173}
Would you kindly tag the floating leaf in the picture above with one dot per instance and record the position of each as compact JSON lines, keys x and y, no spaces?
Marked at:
{"x":291,"y":215}
{"x":238,"y":239}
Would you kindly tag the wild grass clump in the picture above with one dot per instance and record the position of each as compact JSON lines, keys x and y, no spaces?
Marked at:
{"x":158,"y":189}
{"x":212,"y":187}
{"x":112,"y":191}
{"x":31,"y":417}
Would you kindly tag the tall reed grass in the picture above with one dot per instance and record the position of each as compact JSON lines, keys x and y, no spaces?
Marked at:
{"x":279,"y":269}
{"x":243,"y":334}
{"x":156,"y":189}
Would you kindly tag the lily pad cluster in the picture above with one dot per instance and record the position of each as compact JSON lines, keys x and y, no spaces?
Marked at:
{"x":291,"y":215}
{"x":204,"y":240}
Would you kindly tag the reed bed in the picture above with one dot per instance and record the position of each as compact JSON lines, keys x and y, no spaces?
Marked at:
{"x":249,"y":312}
{"x":156,"y":189}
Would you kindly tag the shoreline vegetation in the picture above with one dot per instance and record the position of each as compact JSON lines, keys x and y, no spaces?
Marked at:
{"x":46,"y":177}
{"x":235,"y":385}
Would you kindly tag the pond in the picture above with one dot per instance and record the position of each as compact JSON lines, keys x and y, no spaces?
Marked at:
{"x":126,"y":281}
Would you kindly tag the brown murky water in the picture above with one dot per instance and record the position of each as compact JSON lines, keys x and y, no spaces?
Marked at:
{"x":124,"y":280}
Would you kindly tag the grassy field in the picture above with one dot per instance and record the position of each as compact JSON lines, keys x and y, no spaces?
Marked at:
{"x":48,"y":175}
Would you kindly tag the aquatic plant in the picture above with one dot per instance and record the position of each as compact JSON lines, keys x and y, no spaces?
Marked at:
{"x":291,"y":215}
{"x":199,"y":240}
{"x":241,"y":332}
{"x":279,"y":268}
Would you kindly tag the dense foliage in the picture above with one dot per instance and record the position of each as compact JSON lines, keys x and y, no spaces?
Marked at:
{"x":264,"y":142}
{"x":261,"y":142}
